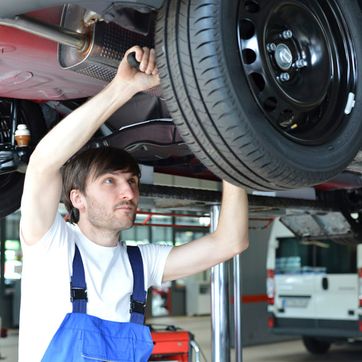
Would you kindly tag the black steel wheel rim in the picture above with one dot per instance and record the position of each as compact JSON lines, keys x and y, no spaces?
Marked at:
{"x":298,"y":58}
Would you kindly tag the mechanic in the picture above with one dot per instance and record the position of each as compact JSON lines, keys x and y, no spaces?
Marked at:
{"x":92,"y":318}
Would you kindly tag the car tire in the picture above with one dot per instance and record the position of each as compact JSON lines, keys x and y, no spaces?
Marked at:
{"x":316,"y":346}
{"x":221,"y":81}
{"x":11,"y":184}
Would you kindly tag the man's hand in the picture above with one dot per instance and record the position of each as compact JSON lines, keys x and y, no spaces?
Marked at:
{"x":144,"y":78}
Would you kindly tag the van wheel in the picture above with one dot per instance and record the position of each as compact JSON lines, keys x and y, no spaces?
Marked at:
{"x":262,"y":91}
{"x":11,"y":184}
{"x":316,"y":346}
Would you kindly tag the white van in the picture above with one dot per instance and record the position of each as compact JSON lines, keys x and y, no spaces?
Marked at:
{"x":314,"y":282}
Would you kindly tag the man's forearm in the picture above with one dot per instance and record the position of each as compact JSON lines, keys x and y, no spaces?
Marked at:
{"x":229,"y":239}
{"x":232,"y":230}
{"x":73,"y":132}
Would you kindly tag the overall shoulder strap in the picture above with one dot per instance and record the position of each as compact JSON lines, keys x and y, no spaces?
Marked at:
{"x":78,"y":287}
{"x":138,"y":297}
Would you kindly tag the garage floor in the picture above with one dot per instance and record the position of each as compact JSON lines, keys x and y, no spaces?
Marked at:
{"x":200,"y":326}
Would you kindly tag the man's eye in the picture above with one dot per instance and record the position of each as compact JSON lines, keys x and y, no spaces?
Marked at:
{"x":132,"y":181}
{"x":108,"y":181}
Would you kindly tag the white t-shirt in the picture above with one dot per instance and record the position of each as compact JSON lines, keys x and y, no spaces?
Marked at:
{"x":45,"y":289}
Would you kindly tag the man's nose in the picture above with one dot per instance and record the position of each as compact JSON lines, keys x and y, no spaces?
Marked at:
{"x":127,"y":192}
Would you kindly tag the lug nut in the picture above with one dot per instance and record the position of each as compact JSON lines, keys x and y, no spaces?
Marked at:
{"x":284,"y":77}
{"x":287,"y":34}
{"x":271,"y":47}
{"x":300,"y":63}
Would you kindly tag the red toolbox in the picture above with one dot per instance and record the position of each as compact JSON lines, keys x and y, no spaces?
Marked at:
{"x":173,"y":345}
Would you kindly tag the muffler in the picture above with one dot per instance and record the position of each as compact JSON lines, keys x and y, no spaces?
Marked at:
{"x":106,"y":45}
{"x":86,"y":44}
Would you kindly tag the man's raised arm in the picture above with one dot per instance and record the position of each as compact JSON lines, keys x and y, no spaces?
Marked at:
{"x":229,"y":239}
{"x":43,"y":183}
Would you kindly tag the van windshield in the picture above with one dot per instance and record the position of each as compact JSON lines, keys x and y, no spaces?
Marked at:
{"x":296,"y":256}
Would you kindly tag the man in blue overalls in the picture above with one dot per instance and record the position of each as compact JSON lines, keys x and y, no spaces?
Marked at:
{"x":83,"y":291}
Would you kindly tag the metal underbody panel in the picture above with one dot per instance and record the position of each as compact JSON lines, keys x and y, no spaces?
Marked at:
{"x":178,"y":197}
{"x":16,"y":7}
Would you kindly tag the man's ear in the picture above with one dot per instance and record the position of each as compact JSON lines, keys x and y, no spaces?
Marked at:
{"x":77,"y":199}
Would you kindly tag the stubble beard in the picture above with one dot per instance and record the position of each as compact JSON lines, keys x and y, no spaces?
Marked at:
{"x":100,"y":217}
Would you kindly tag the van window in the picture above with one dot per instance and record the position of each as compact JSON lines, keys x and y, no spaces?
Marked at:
{"x":295,"y":255}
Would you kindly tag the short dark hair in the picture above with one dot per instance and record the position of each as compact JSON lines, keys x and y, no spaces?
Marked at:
{"x":93,"y":162}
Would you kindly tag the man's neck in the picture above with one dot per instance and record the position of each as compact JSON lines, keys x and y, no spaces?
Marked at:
{"x":98,"y":235}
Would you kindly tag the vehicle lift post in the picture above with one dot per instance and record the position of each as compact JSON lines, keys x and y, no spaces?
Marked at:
{"x":2,"y":274}
{"x":220,"y":306}
{"x":237,"y":308}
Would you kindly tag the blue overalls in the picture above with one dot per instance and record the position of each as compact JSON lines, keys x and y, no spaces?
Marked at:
{"x":82,"y":337}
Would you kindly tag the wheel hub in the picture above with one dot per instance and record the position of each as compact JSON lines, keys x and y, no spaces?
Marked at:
{"x":283,"y":56}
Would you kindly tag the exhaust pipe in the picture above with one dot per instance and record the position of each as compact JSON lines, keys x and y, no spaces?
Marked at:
{"x":62,"y":36}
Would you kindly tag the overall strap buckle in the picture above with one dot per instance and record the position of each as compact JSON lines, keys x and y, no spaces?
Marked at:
{"x":78,"y":293}
{"x":137,"y":307}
